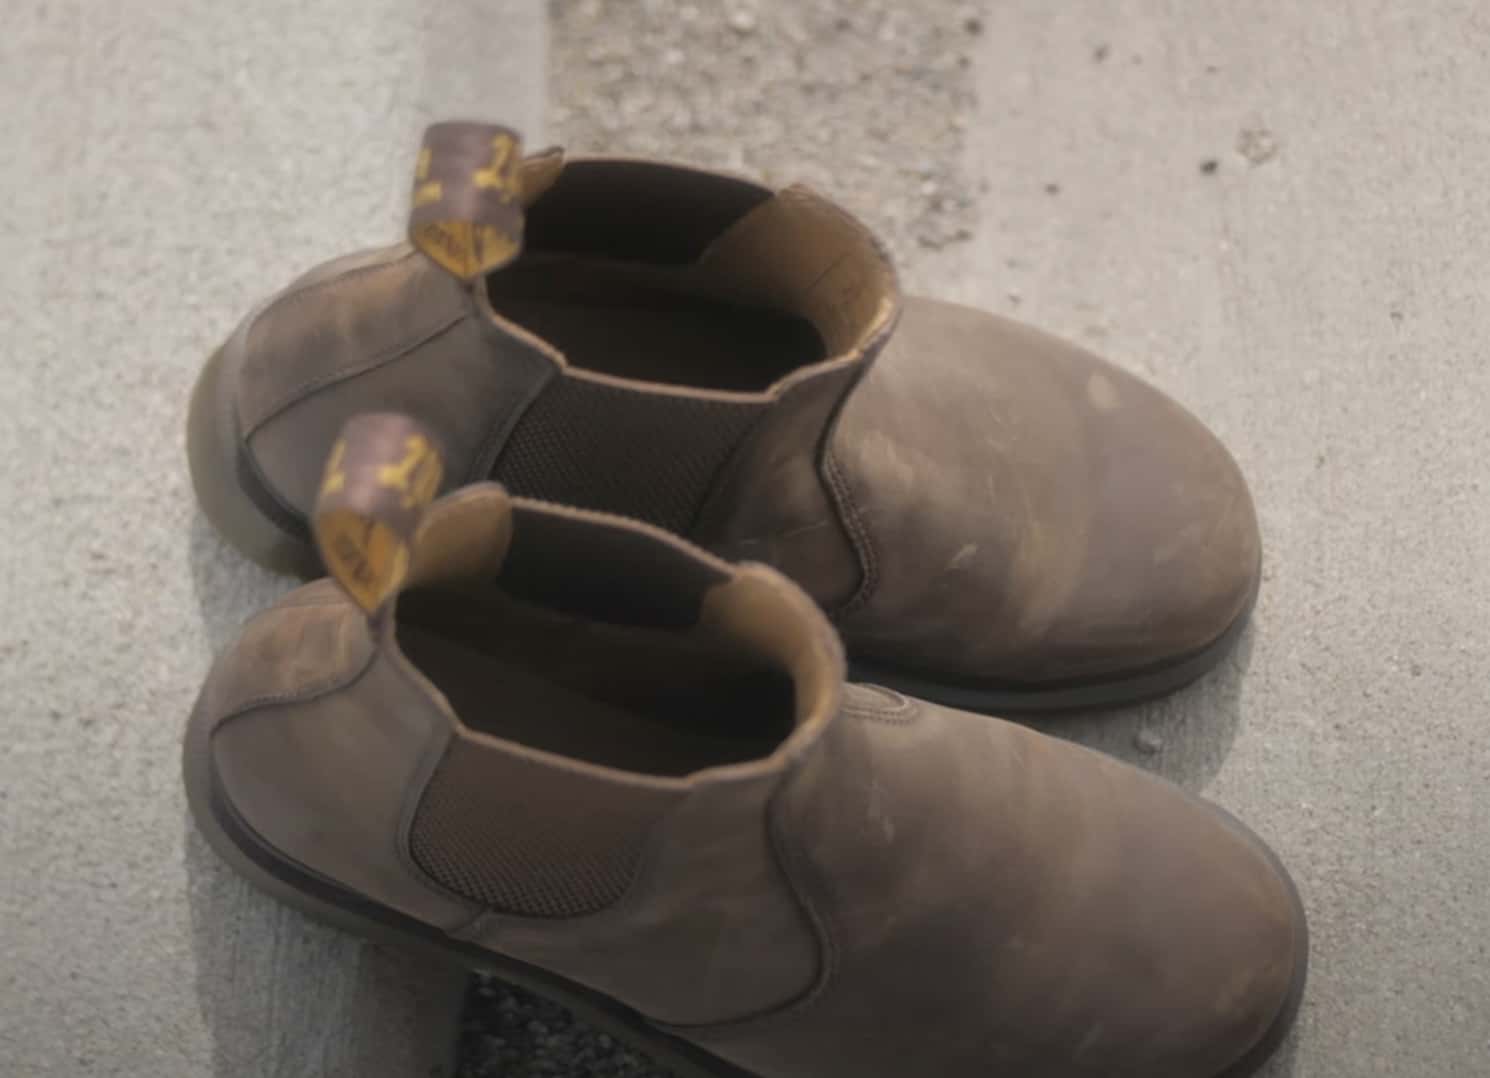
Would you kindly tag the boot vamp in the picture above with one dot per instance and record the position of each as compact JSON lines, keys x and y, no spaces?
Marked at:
{"x":1001,"y":903}
{"x":1034,"y":513}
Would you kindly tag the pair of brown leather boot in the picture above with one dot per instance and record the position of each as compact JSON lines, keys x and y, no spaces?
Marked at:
{"x":569,"y":745}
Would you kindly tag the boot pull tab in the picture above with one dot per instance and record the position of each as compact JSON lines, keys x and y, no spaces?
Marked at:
{"x":383,"y":472}
{"x":467,"y":203}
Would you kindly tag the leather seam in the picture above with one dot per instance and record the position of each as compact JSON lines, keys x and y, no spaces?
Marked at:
{"x":853,"y":522}
{"x":312,"y":691}
{"x":434,"y":754}
{"x":792,"y":863}
{"x":304,"y":390}
{"x":317,"y":691}
{"x":293,"y":295}
{"x":905,"y":713}
{"x":265,"y":497}
{"x":712,"y":508}
{"x":728,"y":465}
{"x":492,"y":445}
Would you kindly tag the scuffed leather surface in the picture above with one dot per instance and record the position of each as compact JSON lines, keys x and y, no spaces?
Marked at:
{"x":771,"y":505}
{"x":379,"y":331}
{"x":337,"y":320}
{"x":308,"y":766}
{"x":304,"y":644}
{"x":1032,"y":512}
{"x":999,"y":904}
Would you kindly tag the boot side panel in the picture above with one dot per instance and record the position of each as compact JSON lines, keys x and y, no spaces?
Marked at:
{"x":324,"y":775}
{"x":385,"y":333}
{"x":707,"y":929}
{"x":1049,"y":911}
{"x":777,"y":502}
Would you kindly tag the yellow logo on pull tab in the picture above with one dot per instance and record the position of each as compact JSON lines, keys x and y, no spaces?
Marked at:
{"x":502,"y":174}
{"x":417,"y":476}
{"x":467,"y":211}
{"x":378,"y":479}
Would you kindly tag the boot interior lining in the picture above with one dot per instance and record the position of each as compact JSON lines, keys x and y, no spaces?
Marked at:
{"x":651,"y":701}
{"x":635,"y":323}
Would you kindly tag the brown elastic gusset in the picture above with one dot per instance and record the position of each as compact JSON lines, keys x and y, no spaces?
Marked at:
{"x":606,"y":446}
{"x":531,"y":840}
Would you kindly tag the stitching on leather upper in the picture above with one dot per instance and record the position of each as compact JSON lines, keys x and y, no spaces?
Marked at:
{"x":324,"y":688}
{"x":903,"y":711}
{"x":311,"y":691}
{"x":794,"y":869}
{"x":853,"y":522}
{"x":305,"y":389}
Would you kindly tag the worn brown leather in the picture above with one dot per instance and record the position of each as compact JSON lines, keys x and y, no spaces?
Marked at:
{"x":883,"y":881}
{"x":982,"y":508}
{"x":1077,"y":522}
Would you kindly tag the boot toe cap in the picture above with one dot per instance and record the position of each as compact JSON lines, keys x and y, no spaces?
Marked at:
{"x":1172,"y":553}
{"x":1039,"y":521}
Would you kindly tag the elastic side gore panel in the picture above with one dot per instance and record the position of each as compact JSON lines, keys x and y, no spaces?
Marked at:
{"x":531,"y":840}
{"x":648,"y":455}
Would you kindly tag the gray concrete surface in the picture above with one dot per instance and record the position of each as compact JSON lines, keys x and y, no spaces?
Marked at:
{"x":1271,"y":210}
{"x":166,"y":162}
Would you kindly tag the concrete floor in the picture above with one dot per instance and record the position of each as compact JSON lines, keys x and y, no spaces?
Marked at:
{"x":1271,"y":210}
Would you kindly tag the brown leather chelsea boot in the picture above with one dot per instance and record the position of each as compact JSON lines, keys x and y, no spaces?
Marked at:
{"x":992,"y":517}
{"x":579,"y":752}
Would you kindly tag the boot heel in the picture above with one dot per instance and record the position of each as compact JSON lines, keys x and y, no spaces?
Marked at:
{"x":220,"y":479}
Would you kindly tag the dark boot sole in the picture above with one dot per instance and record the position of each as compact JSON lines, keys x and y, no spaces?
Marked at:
{"x":1007,"y":699}
{"x":322,"y":899}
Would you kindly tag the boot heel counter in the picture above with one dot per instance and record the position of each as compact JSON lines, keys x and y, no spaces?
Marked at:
{"x":336,"y":325}
{"x":310,"y":641}
{"x":317,"y":748}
